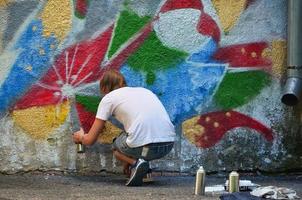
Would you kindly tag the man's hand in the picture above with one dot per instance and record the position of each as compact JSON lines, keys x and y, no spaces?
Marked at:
{"x":91,"y":136}
{"x":126,"y":169}
{"x":78,"y":136}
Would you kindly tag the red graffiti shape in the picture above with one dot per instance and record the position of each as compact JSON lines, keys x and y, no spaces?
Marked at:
{"x":86,"y":118}
{"x":244,"y":55}
{"x":216,"y":124}
{"x":181,"y":4}
{"x":75,"y":66}
{"x":82,"y":7}
{"x":207,"y":26}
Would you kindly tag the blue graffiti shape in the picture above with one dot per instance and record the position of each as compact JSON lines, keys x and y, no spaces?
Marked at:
{"x":205,"y":53}
{"x":184,"y":89}
{"x":35,"y":53}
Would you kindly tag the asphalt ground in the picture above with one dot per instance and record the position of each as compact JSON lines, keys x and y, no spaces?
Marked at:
{"x":57,"y":185}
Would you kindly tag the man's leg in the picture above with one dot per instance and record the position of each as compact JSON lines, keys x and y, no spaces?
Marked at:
{"x":139,"y":169}
{"x":118,"y":144}
{"x":124,"y":158}
{"x":127,"y":161}
{"x":130,"y":156}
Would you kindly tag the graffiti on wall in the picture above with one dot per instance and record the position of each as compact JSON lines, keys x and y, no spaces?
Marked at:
{"x":183,"y":51}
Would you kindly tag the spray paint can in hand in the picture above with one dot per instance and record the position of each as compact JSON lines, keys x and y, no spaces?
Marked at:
{"x":80,"y":148}
{"x":200,"y":181}
{"x":233,"y":182}
{"x":74,"y":125}
{"x":80,"y":159}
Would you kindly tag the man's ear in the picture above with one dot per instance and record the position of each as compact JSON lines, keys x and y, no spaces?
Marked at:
{"x":122,"y":84}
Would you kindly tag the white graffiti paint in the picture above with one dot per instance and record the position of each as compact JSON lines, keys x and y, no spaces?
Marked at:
{"x":178,"y":29}
{"x":7,"y":59}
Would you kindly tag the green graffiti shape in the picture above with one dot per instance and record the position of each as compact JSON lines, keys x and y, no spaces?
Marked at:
{"x":237,"y":89}
{"x":153,"y":55}
{"x":90,"y":103}
{"x":128,"y":24}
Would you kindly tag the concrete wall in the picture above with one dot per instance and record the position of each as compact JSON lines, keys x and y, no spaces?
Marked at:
{"x":217,"y":67}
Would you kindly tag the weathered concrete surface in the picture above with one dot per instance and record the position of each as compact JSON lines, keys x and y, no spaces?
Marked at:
{"x":111,"y":186}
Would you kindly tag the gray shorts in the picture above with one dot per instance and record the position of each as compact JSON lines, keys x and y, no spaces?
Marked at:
{"x":148,"y":152}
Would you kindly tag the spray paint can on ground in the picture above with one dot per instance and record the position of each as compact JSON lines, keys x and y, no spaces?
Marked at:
{"x":233,"y":182}
{"x":200,"y":181}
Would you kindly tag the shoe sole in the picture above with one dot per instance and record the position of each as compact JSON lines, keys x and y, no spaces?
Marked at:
{"x":137,"y":178}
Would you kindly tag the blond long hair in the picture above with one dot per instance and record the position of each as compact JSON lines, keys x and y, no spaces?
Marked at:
{"x":111,"y":80}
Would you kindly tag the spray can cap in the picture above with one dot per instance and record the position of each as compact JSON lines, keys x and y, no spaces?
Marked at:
{"x":201,"y":168}
{"x":234,"y":173}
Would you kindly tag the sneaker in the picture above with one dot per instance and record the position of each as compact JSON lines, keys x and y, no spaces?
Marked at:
{"x":138,"y":172}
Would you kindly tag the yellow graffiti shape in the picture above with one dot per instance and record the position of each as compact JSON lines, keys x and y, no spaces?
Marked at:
{"x":3,"y":3}
{"x":229,"y":12}
{"x":277,"y":53}
{"x":40,"y":122}
{"x":57,"y":18}
{"x":109,"y":133}
{"x":191,"y":129}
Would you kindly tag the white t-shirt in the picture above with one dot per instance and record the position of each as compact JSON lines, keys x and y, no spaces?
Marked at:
{"x":142,"y":114}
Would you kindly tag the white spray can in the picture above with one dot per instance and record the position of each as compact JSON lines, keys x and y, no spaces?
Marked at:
{"x":200,"y":181}
{"x":233,"y":182}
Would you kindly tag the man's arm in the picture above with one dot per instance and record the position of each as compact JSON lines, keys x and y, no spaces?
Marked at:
{"x":91,"y":137}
